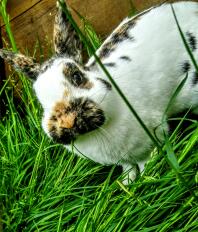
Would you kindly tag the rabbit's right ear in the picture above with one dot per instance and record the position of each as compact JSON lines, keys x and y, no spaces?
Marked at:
{"x":66,"y":40}
{"x":21,"y":63}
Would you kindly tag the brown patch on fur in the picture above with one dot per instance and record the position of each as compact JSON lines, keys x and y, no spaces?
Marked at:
{"x":67,"y":121}
{"x":22,"y":61}
{"x":66,"y":93}
{"x":87,"y":85}
{"x":67,"y":70}
{"x":60,"y":108}
{"x":61,"y":118}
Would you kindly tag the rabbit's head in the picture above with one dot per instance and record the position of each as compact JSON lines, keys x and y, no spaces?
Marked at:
{"x":69,"y":93}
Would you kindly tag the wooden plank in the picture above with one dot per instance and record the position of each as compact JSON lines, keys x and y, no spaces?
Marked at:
{"x":34,"y":24}
{"x":37,"y":22}
{"x":15,"y":8}
{"x":104,"y":15}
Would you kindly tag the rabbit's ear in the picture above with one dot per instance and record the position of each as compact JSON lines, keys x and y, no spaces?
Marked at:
{"x":66,"y":40}
{"x":21,"y":63}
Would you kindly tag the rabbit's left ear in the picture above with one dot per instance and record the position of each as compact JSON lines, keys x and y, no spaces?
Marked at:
{"x":66,"y":40}
{"x":21,"y":63}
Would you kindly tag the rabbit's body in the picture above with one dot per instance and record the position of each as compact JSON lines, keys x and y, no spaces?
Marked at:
{"x":148,"y":64}
{"x":147,"y":59}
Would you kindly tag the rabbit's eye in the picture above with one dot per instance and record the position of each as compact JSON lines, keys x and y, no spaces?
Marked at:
{"x":77,"y":78}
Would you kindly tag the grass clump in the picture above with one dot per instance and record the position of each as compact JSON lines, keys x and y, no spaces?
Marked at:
{"x":45,"y":188}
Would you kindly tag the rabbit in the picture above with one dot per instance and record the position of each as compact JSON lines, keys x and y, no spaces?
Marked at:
{"x":146,"y":57}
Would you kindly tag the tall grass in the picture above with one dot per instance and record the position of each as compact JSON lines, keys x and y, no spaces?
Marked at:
{"x":45,"y":188}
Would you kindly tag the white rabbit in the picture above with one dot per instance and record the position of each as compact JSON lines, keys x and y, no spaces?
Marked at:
{"x":146,"y":57}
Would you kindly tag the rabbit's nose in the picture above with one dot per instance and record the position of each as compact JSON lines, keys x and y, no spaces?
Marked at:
{"x":66,"y":120}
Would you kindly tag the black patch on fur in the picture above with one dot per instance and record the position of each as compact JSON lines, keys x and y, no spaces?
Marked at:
{"x":192,"y":40}
{"x":92,"y":64}
{"x":86,"y":68}
{"x":186,"y":67}
{"x":118,"y":36}
{"x":195,"y":78}
{"x":111,"y":64}
{"x":106,"y":49}
{"x":121,"y":34}
{"x":106,"y":83}
{"x":47,"y":64}
{"x":90,"y":117}
{"x":66,"y":40}
{"x":125,"y":58}
{"x":75,"y":76}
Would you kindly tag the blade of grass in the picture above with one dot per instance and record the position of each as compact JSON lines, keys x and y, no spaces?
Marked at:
{"x":6,"y":20}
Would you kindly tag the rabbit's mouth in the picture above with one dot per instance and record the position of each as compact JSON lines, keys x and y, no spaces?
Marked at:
{"x":69,"y":120}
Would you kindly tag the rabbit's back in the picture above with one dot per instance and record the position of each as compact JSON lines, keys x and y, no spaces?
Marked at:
{"x":147,"y":57}
{"x":148,"y":60}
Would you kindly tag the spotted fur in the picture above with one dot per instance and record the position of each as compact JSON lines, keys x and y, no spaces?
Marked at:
{"x":195,"y":78}
{"x":69,"y":70}
{"x":126,"y":58}
{"x":22,"y":63}
{"x":69,"y":119}
{"x":147,"y":59}
{"x":106,"y":83}
{"x":186,"y":67}
{"x":192,"y":41}
{"x":110,"y":64}
{"x":118,"y":36}
{"x":66,"y":40}
{"x":47,"y":64}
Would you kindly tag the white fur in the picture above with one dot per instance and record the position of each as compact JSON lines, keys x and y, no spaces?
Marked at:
{"x":148,"y":81}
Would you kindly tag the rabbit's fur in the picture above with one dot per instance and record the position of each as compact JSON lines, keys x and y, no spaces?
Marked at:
{"x":147,"y":59}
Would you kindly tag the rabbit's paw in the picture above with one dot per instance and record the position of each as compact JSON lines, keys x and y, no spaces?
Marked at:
{"x":131,"y":173}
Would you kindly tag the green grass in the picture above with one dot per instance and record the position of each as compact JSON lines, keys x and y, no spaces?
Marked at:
{"x":45,"y":188}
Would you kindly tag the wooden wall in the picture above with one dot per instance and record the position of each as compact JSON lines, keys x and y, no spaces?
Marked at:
{"x":32,"y":20}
